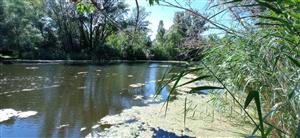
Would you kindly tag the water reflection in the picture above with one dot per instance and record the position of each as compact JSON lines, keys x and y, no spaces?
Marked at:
{"x":71,"y":97}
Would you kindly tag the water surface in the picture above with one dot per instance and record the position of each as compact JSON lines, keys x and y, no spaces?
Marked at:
{"x":72,"y":95}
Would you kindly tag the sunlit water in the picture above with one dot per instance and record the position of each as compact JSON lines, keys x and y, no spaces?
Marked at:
{"x":76,"y":96}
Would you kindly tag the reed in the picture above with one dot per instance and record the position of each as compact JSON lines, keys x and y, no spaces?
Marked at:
{"x":261,"y":64}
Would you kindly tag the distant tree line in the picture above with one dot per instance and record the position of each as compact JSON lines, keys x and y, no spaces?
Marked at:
{"x":65,"y":29}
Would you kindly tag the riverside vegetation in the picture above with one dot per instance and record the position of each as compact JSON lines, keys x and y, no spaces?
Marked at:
{"x":256,"y":61}
{"x":46,"y":29}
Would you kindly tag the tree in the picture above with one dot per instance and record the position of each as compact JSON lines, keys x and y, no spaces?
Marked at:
{"x":133,"y":41}
{"x":2,"y":24}
{"x":19,"y":22}
{"x":160,"y":36}
{"x":182,"y":39}
{"x":82,"y":29}
{"x":96,"y":26}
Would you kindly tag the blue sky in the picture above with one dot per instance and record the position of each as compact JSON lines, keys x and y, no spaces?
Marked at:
{"x":166,"y":14}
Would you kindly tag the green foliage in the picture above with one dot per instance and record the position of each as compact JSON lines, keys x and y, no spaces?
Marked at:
{"x":160,"y":53}
{"x":255,"y":95}
{"x":264,"y":60}
{"x":82,"y":7}
{"x":118,"y":41}
{"x":184,"y":34}
{"x":161,"y":31}
{"x":252,"y":63}
{"x":77,"y":30}
{"x":151,"y":2}
{"x":72,"y":30}
{"x":126,"y":48}
{"x":20,"y":26}
{"x":260,"y":64}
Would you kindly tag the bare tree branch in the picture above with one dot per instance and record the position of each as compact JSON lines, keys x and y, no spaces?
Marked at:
{"x":114,"y":23}
{"x":137,"y":14}
{"x":219,"y":26}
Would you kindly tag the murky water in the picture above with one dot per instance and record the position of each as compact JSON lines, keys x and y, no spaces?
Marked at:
{"x":73,"y":96}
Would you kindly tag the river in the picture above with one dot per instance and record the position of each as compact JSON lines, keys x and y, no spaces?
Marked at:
{"x":71,"y":99}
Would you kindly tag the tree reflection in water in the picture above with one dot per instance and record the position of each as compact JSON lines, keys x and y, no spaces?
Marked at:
{"x":80,"y":100}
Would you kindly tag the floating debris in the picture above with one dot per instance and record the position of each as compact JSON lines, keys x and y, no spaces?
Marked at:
{"x":82,"y":129}
{"x":9,"y":92}
{"x":95,"y":126}
{"x":26,"y":114}
{"x":130,"y":76}
{"x":137,"y":85}
{"x":82,"y":73}
{"x":63,"y":126}
{"x":80,"y":88}
{"x":150,"y":120}
{"x":30,"y":89}
{"x":165,"y":66}
{"x":138,"y":97}
{"x":32,"y":68}
{"x":98,"y":70}
{"x":27,"y":90}
{"x":52,"y":86}
{"x":6,"y":114}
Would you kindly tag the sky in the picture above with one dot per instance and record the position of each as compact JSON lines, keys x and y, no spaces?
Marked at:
{"x":166,"y":14}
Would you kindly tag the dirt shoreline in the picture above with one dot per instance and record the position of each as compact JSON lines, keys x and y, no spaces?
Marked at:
{"x":202,"y":120}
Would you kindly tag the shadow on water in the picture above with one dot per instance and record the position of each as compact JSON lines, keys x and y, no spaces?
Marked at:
{"x":160,"y":133}
{"x":81,"y":97}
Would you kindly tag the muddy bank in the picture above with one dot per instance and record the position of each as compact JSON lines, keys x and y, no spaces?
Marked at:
{"x":151,"y":121}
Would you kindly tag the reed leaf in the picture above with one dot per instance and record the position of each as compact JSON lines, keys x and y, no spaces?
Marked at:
{"x":193,"y":80}
{"x":254,"y":95}
{"x":296,"y":62}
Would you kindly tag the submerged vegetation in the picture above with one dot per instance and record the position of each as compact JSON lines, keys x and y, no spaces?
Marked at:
{"x":256,"y":61}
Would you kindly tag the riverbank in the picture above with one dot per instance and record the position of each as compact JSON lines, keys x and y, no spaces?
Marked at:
{"x":14,"y":61}
{"x":202,"y":120}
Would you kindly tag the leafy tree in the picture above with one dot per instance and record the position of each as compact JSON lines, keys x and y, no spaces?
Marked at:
{"x":183,"y":37}
{"x":132,"y":41}
{"x":21,"y":32}
{"x":161,"y":31}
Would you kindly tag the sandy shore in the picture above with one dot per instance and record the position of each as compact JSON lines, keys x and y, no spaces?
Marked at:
{"x":202,"y":120}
